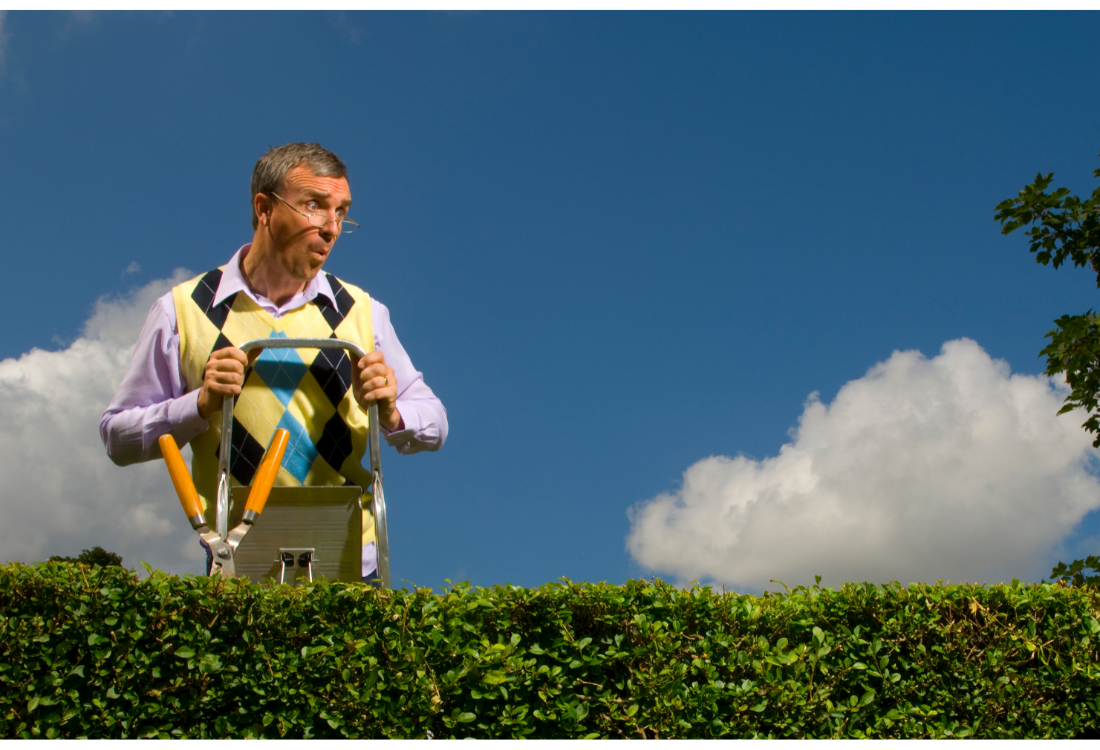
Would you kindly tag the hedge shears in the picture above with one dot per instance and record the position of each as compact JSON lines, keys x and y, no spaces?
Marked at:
{"x":223,"y":548}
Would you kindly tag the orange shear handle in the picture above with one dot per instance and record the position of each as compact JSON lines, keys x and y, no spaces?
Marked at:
{"x":185,"y":488}
{"x":265,"y":475}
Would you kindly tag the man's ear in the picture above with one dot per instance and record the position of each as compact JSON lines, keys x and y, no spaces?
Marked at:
{"x":263,"y":206}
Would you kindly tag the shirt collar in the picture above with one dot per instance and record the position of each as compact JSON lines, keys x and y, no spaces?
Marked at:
{"x":233,"y":282}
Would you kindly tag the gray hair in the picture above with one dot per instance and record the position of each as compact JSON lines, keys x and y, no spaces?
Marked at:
{"x":272,"y":168}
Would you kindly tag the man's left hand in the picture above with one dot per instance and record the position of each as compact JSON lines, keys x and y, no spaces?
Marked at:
{"x":376,"y":383}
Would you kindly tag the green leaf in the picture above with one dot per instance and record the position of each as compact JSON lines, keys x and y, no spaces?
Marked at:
{"x":495,"y":677}
{"x":184,"y":653}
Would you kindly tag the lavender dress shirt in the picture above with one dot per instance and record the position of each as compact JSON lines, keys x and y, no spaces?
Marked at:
{"x":154,"y":399}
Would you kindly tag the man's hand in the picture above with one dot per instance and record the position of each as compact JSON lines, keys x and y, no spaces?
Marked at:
{"x":374,"y":382}
{"x":224,"y":377}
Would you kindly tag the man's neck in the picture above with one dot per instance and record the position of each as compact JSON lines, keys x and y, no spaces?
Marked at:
{"x":266,"y":278}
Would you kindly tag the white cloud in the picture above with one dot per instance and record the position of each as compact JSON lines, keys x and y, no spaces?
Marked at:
{"x":61,"y":493}
{"x":134,"y":267}
{"x":948,"y":468}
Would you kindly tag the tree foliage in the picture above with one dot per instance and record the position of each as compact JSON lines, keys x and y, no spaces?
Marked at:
{"x":94,"y":556}
{"x":1082,"y":573}
{"x":1063,"y":227}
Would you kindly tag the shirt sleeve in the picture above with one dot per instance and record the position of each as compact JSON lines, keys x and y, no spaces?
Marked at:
{"x":153,"y":398}
{"x":423,"y":416}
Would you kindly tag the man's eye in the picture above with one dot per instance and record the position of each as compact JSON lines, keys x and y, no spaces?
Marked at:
{"x":313,"y":206}
{"x":340,"y":213}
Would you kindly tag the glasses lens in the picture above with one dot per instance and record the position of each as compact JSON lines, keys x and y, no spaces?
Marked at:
{"x":343,"y":227}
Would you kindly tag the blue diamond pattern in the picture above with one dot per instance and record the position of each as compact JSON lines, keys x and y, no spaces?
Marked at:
{"x":281,"y":369}
{"x":300,"y":451}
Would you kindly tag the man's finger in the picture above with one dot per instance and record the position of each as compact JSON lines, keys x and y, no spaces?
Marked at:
{"x":376,"y":383}
{"x":226,"y":365}
{"x":232,"y":353}
{"x":228,"y":377}
{"x":374,"y":371}
{"x":371,"y":358}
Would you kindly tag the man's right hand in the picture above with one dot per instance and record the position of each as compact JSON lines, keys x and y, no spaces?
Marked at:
{"x":224,"y":377}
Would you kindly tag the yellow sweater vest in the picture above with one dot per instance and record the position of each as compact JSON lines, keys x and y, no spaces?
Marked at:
{"x":305,"y":391}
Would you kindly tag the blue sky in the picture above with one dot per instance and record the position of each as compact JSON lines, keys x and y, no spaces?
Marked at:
{"x":616,"y":244}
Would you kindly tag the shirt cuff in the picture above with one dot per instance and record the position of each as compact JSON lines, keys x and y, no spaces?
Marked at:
{"x":410,"y":423}
{"x":184,"y":419}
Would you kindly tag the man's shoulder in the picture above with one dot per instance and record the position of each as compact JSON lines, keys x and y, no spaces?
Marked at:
{"x":338,"y":284}
{"x":211,"y":278}
{"x":348,"y":294}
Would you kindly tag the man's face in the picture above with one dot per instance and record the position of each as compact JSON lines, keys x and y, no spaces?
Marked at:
{"x":298,"y":246}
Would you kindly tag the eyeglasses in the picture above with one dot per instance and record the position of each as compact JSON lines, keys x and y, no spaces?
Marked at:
{"x":343,"y":225}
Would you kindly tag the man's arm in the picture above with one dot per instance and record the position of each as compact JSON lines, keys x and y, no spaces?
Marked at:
{"x":152,"y":399}
{"x":423,"y":417}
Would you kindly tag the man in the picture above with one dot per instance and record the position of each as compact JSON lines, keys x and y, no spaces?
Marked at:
{"x":186,"y":360}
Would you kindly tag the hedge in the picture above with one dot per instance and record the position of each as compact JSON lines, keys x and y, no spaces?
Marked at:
{"x":100,"y":652}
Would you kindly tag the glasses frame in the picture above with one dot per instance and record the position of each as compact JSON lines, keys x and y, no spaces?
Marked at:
{"x":339,"y":222}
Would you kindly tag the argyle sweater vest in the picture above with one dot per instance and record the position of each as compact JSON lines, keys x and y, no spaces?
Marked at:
{"x":305,"y":391}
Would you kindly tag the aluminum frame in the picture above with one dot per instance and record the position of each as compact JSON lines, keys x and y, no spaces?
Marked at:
{"x":373,"y":444}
